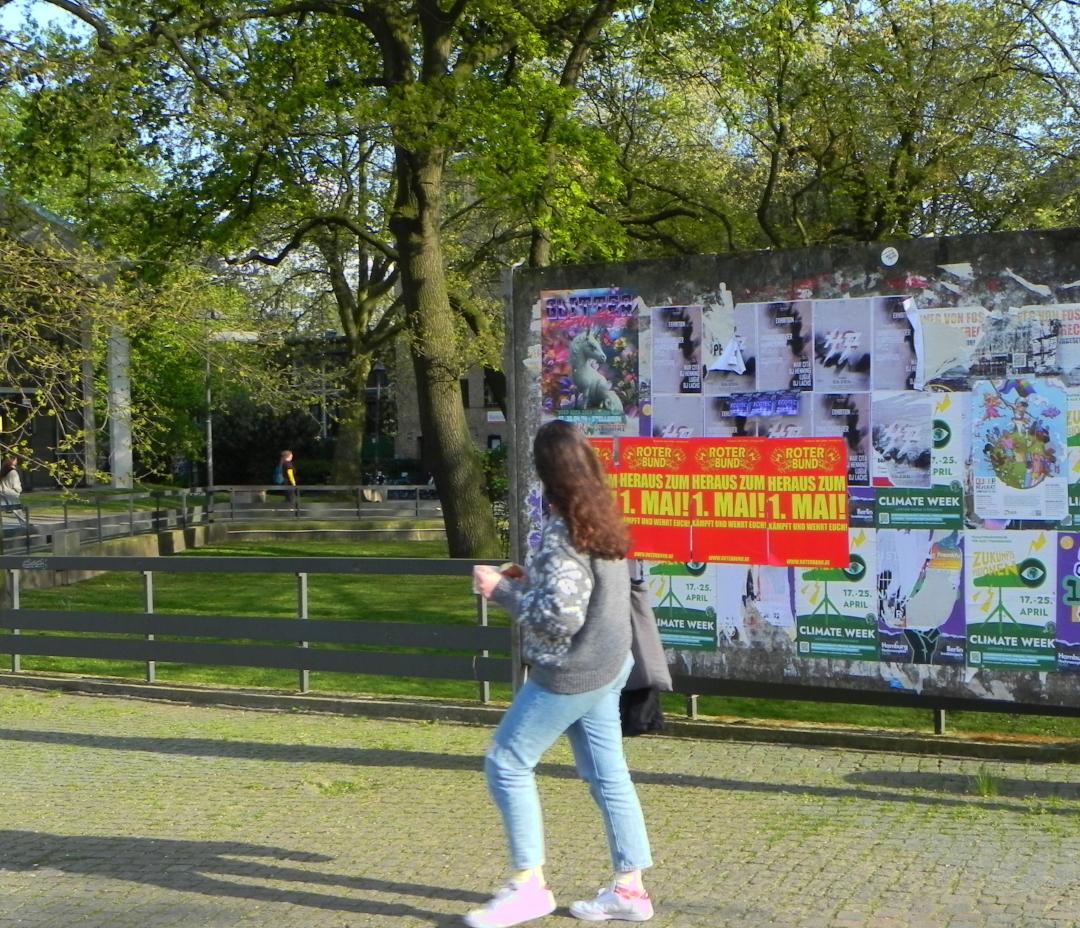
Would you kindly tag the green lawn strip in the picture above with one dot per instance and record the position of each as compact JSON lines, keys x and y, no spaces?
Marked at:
{"x":427,"y":600}
{"x":423,"y":600}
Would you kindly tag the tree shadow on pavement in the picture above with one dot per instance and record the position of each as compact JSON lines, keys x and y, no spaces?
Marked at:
{"x":964,"y":784}
{"x":890,"y":788}
{"x":221,"y":868}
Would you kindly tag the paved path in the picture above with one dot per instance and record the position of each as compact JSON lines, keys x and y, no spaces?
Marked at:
{"x":130,"y":814}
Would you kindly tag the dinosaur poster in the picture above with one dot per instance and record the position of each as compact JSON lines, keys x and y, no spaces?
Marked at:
{"x":590,"y":359}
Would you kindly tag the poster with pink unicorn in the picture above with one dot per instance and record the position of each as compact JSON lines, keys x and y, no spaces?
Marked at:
{"x":589,"y":353}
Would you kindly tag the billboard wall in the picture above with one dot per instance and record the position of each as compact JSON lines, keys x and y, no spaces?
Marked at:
{"x":947,"y":371}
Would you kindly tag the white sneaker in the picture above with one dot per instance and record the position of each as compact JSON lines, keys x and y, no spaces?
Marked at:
{"x":514,"y":904}
{"x":615,"y":902}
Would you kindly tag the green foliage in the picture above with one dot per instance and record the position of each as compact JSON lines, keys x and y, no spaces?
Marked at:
{"x":496,"y":475}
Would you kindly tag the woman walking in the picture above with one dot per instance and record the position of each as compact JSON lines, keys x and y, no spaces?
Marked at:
{"x":11,"y":487}
{"x":574,"y":611}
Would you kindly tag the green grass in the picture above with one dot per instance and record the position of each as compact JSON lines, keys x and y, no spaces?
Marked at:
{"x":414,"y":599}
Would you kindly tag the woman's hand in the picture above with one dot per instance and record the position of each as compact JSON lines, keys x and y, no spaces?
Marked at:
{"x":485,"y":579}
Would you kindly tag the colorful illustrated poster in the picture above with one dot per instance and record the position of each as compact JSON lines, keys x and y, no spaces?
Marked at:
{"x":589,"y":359}
{"x":842,"y":342}
{"x":950,"y":437}
{"x":1011,"y":580}
{"x":683,"y":601}
{"x":836,"y":607}
{"x":730,"y":350}
{"x":895,"y":361}
{"x":676,"y":350}
{"x":902,"y":438}
{"x":1068,"y":604}
{"x":846,"y":416}
{"x":785,"y":338}
{"x":945,"y":344}
{"x":1018,"y":449}
{"x":920,"y":588}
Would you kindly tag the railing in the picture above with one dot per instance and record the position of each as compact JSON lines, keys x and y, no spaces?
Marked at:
{"x":301,"y":643}
{"x":150,"y":511}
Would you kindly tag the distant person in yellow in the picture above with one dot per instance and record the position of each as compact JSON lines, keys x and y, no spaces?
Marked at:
{"x":285,"y":475}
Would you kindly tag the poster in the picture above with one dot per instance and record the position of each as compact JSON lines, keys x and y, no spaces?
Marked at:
{"x":730,"y":350}
{"x":945,"y":344}
{"x":950,"y":439}
{"x":724,"y":421}
{"x":932,"y":507}
{"x":836,"y":607}
{"x":683,"y":601}
{"x":676,"y":350}
{"x":741,"y":501}
{"x":676,"y":416}
{"x":894,"y":356}
{"x":589,"y":359}
{"x":806,"y":497}
{"x":782,"y":414}
{"x":1011,"y":579}
{"x":1018,"y":449}
{"x":1017,"y":344}
{"x":902,"y":438}
{"x":846,"y":416}
{"x":785,"y":335}
{"x":1067,"y":638}
{"x":920,"y":596}
{"x":842,"y":343}
{"x":768,"y":597}
{"x":1067,"y":318}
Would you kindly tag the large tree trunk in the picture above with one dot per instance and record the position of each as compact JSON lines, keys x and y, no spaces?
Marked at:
{"x":448,"y":447}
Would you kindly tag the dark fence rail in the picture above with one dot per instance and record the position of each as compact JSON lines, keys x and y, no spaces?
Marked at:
{"x":105,"y":513}
{"x":257,"y":641}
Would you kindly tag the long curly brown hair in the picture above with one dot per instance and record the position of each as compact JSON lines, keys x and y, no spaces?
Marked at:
{"x":576,"y":485}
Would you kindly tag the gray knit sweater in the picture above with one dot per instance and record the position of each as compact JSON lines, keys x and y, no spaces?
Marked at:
{"x":574,"y":611}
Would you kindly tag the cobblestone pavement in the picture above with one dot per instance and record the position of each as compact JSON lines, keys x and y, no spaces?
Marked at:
{"x":124,"y":813}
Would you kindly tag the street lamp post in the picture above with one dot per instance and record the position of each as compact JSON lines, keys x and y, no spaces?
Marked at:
{"x":209,"y":426}
{"x":379,"y":370}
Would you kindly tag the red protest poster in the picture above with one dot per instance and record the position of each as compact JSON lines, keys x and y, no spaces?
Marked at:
{"x":652,"y":485}
{"x":728,"y":501}
{"x":780,"y":502}
{"x":806,"y":502}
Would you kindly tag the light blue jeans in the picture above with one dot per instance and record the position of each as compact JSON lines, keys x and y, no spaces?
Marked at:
{"x":531,"y":725}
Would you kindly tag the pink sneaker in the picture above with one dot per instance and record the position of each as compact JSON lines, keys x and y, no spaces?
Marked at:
{"x":615,"y":902}
{"x":513,"y":904}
